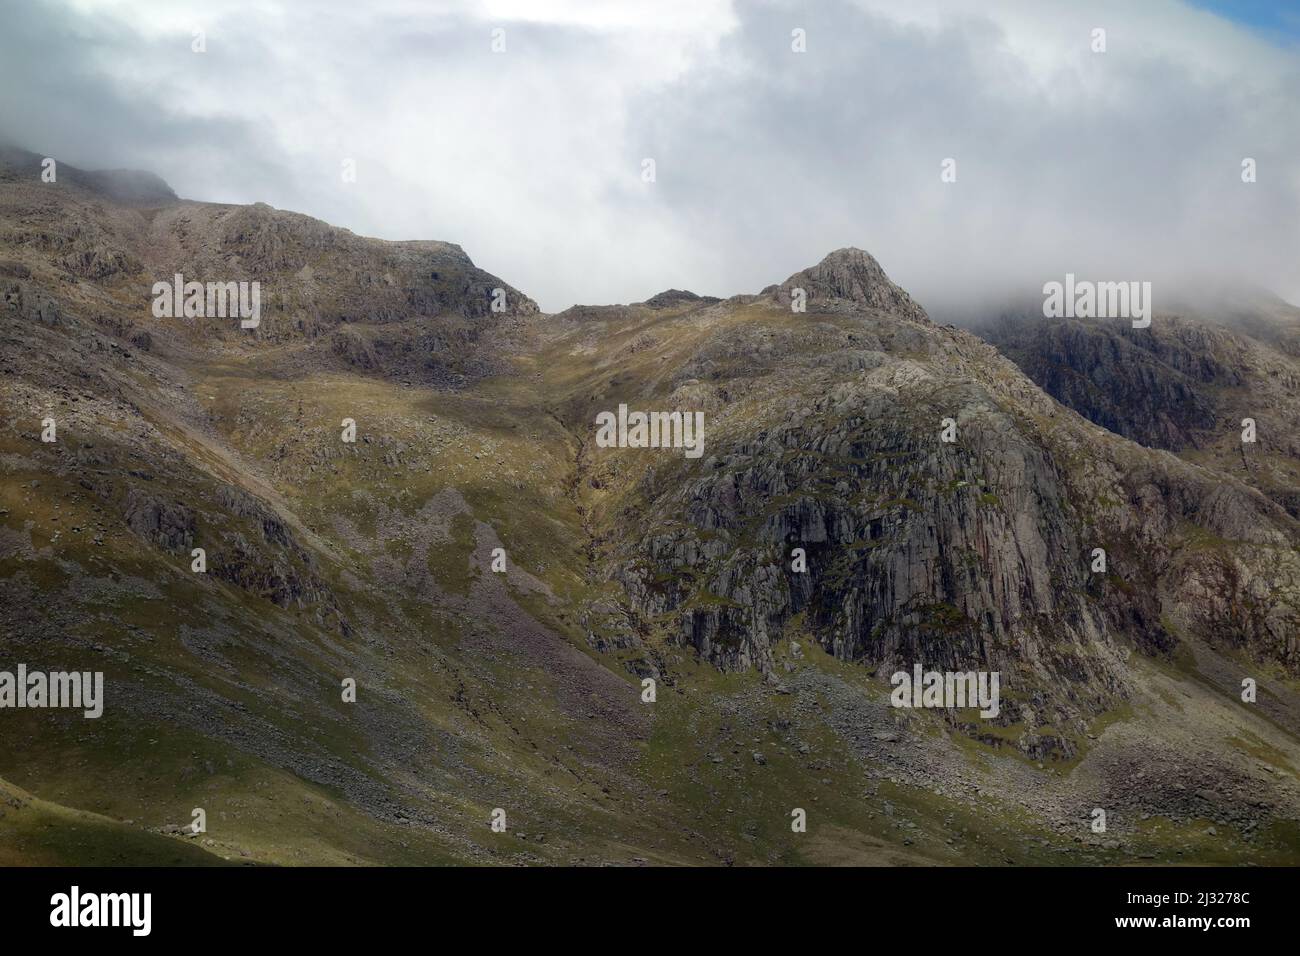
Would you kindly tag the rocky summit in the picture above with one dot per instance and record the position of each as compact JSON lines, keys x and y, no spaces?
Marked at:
{"x":363,"y":586}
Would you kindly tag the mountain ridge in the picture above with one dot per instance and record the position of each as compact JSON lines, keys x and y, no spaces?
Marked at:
{"x":521,"y":688}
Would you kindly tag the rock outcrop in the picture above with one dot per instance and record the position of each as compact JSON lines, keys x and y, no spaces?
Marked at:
{"x":826,"y":448}
{"x":848,"y":279}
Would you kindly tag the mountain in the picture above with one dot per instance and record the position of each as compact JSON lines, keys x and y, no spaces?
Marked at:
{"x":124,"y":186}
{"x":825,"y":536}
{"x":1187,"y":384}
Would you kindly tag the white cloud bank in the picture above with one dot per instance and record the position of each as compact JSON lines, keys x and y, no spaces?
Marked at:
{"x":1124,"y":164}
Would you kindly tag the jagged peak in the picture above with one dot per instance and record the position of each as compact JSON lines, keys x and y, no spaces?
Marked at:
{"x":847,"y":279}
{"x":850,"y":257}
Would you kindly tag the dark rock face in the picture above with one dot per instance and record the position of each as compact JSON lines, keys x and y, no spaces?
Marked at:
{"x":1186,"y":384}
{"x":956,"y":557}
{"x":30,"y":304}
{"x":272,"y":565}
{"x":167,"y":524}
{"x":673,"y":297}
{"x":1153,"y":390}
{"x":354,"y":349}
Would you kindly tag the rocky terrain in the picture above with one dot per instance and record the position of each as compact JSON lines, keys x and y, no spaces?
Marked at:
{"x":875,"y":490}
{"x":1186,"y":384}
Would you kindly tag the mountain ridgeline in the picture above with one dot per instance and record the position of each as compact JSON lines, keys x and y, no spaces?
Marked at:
{"x":394,"y":479}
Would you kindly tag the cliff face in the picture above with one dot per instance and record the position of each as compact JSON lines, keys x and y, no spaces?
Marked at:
{"x":1186,"y":384}
{"x":826,"y":434}
{"x":1152,"y":391}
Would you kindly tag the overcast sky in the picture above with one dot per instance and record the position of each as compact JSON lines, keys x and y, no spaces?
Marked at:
{"x":1117,"y":165}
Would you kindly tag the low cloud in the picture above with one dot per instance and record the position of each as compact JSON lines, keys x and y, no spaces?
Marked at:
{"x":1118,"y":165}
